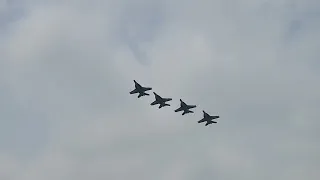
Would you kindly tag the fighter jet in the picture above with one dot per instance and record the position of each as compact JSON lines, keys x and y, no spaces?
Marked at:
{"x":208,"y":118}
{"x":140,"y":89}
{"x":185,"y":108}
{"x":160,"y":100}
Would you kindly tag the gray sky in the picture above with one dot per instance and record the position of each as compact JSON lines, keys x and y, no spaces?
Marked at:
{"x":67,"y":67}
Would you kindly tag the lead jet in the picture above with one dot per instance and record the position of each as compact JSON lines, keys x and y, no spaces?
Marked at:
{"x":160,"y":100}
{"x":208,"y":118}
{"x":185,"y":108}
{"x":140,"y":89}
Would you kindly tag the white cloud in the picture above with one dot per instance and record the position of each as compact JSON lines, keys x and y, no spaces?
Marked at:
{"x":9,"y":166}
{"x":69,"y":65}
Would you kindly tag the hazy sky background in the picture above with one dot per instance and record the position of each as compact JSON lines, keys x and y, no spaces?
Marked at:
{"x":67,"y":66}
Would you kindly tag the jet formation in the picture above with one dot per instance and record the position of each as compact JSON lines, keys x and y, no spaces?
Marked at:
{"x":141,"y":90}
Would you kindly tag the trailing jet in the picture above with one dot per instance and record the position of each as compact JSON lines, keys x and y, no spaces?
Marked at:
{"x":185,"y":108}
{"x":140,"y":89}
{"x":160,"y":100}
{"x":208,"y":118}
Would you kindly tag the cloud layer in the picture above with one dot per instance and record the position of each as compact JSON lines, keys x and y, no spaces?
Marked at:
{"x":67,"y":69}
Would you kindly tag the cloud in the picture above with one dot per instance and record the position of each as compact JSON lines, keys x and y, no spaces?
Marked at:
{"x":68,"y":67}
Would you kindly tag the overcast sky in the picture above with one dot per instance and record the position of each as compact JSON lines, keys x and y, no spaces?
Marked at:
{"x":67,"y":67}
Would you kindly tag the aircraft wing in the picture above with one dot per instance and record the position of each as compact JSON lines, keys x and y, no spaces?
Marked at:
{"x":134,"y":91}
{"x":146,"y":88}
{"x":183,"y":104}
{"x":167,"y":99}
{"x":179,"y":109}
{"x":154,"y":102}
{"x":137,"y":85}
{"x":191,"y":106}
{"x":158,"y":98}
{"x":206,"y":115}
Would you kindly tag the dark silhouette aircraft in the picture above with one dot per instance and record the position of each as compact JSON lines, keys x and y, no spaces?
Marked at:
{"x":208,"y":118}
{"x":160,"y":100}
{"x":185,"y":108}
{"x":140,"y":89}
